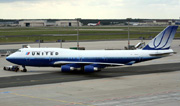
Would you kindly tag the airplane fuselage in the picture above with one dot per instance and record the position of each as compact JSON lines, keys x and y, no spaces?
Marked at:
{"x":48,"y":56}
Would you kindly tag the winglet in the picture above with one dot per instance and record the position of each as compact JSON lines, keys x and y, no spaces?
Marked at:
{"x":163,"y":40}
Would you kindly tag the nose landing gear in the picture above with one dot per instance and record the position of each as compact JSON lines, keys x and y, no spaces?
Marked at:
{"x":24,"y":69}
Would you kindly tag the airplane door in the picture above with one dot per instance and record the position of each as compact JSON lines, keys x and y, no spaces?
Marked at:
{"x":80,"y":58}
{"x":27,"y":59}
{"x":105,"y":57}
{"x":50,"y":58}
{"x":140,"y":58}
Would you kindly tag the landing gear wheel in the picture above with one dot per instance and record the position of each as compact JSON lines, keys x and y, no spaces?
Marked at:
{"x":98,"y":70}
{"x":24,"y":70}
{"x":16,"y":70}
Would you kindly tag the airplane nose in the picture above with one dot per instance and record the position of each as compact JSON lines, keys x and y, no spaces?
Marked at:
{"x":10,"y":59}
{"x":7,"y":58}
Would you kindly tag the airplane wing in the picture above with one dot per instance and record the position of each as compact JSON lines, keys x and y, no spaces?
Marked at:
{"x":86,"y":63}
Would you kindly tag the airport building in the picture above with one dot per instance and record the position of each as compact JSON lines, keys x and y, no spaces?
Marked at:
{"x":73,"y":22}
{"x":68,"y":23}
{"x":8,"y":23}
{"x":32,"y":23}
{"x":164,"y":22}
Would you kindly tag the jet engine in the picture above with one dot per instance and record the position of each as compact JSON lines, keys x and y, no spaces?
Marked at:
{"x":70,"y":67}
{"x":93,"y":68}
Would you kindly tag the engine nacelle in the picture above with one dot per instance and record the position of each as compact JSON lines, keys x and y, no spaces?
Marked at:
{"x":92,"y":68}
{"x":65,"y":68}
{"x":70,"y":67}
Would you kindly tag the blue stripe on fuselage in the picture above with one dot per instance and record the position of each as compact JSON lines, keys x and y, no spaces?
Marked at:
{"x":50,"y":61}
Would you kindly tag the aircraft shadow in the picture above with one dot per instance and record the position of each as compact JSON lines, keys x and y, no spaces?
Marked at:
{"x":59,"y":77}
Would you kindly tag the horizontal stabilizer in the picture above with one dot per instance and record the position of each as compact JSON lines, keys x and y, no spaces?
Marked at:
{"x":162,"y":54}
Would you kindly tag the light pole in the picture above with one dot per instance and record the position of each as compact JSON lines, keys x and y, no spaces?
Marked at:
{"x":60,"y":42}
{"x":78,"y":32}
{"x":39,"y":42}
{"x":128,"y":33}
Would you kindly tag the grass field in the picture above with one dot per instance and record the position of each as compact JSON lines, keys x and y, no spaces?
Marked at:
{"x":86,"y":33}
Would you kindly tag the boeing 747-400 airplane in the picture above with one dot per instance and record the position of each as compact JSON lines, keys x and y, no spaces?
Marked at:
{"x":94,"y":60}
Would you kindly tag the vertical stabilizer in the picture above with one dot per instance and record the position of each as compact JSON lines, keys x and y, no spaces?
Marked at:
{"x":98,"y":23}
{"x":163,"y":40}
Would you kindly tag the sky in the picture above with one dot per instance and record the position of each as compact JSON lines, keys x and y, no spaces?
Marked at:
{"x":89,"y":9}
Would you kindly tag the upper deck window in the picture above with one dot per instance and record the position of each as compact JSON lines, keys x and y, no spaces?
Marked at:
{"x":18,"y":51}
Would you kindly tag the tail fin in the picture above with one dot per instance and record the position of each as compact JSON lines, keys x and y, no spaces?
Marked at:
{"x":163,"y":40}
{"x":98,"y":23}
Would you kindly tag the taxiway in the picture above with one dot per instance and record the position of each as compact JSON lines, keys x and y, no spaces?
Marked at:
{"x":155,"y":82}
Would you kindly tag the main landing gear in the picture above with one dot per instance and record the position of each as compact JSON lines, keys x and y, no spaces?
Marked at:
{"x":24,"y":69}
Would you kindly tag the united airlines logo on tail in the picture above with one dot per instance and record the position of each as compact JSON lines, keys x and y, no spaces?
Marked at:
{"x":27,"y":53}
{"x":163,"y":40}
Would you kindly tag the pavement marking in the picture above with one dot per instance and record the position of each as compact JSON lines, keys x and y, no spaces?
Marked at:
{"x":62,"y":101}
{"x":6,"y":92}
